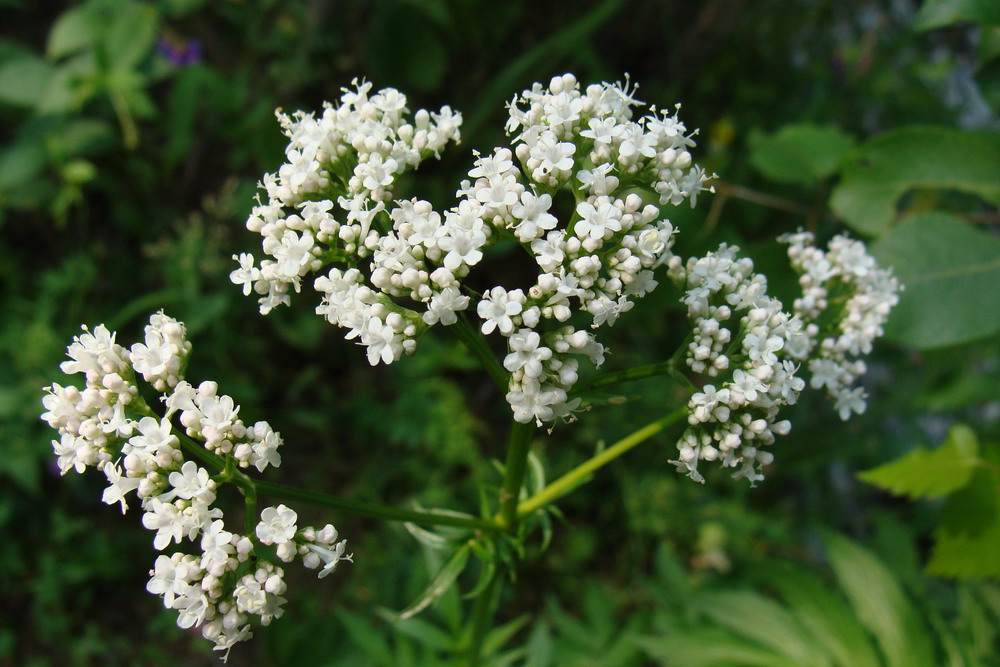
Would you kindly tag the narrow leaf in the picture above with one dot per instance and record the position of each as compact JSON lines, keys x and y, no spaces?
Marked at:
{"x":880,"y":603}
{"x":423,"y":631}
{"x":441,"y":583}
{"x":497,"y":637}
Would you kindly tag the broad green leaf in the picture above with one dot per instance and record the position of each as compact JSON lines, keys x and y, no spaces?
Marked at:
{"x":710,"y":648}
{"x":930,"y":473}
{"x":24,"y":80}
{"x":21,"y":163}
{"x":885,"y":168}
{"x":74,"y":30}
{"x":826,"y":616}
{"x":803,"y":154}
{"x":940,"y":13}
{"x":441,"y":583}
{"x":950,"y":272}
{"x":131,"y":35}
{"x":762,"y":621}
{"x":967,"y":539}
{"x":879,"y":601}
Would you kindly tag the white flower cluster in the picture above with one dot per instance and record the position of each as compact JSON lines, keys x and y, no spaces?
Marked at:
{"x":746,"y":338}
{"x":598,"y":261}
{"x":601,"y":259}
{"x":278,"y":526}
{"x":740,"y":334}
{"x":844,"y":284}
{"x":328,"y":203}
{"x":107,"y":425}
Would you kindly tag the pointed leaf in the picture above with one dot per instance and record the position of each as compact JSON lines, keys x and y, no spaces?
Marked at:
{"x":497,"y":637}
{"x":441,"y":583}
{"x":967,"y":540}
{"x":366,"y":637}
{"x":826,"y":616}
{"x":888,"y":166}
{"x":711,"y":648}
{"x":426,"y":537}
{"x":74,"y":31}
{"x":880,"y":603}
{"x":762,"y":621}
{"x":423,"y":631}
{"x":930,"y":473}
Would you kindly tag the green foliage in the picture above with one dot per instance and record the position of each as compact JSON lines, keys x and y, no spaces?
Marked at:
{"x":946,"y":267}
{"x":802,"y":154}
{"x":125,"y":178}
{"x":889,"y":166}
{"x":963,"y":471}
{"x":930,"y":473}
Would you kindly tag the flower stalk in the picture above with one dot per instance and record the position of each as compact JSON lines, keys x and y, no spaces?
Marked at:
{"x":571,"y":479}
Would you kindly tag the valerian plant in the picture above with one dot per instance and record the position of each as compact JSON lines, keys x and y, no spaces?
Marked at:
{"x":386,"y":270}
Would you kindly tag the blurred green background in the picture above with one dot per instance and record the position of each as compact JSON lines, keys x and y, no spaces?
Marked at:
{"x":134,"y":134}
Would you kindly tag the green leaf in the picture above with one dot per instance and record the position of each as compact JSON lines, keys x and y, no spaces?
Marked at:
{"x":803,"y":154}
{"x":497,"y":637}
{"x":21,"y":163}
{"x":950,"y":271}
{"x":74,"y":31}
{"x":763,"y":621}
{"x":131,"y":35}
{"x":366,"y":637}
{"x":826,"y":616}
{"x":939,"y":13}
{"x":423,"y":631}
{"x":968,"y":537}
{"x":710,"y":648}
{"x":930,"y":473}
{"x":445,"y":577}
{"x":880,"y":603}
{"x":24,"y":80}
{"x":426,"y":537}
{"x":885,"y":168}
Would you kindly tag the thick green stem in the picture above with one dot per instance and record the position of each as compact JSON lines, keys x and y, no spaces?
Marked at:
{"x":518,"y":445}
{"x":574,"y":476}
{"x":482,"y":616}
{"x":252,"y":487}
{"x":371,"y":510}
{"x":476,"y":344}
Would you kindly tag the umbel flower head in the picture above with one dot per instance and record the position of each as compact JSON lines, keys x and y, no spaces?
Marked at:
{"x":224,"y":580}
{"x":389,"y":269}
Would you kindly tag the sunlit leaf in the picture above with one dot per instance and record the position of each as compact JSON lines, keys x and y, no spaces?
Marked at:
{"x":879,"y":601}
{"x":930,"y":473}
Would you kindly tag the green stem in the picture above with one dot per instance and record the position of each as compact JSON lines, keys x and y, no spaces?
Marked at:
{"x":371,"y":510}
{"x":518,"y":445}
{"x":574,"y":476}
{"x":252,"y":487}
{"x":636,"y":373}
{"x":482,"y":615}
{"x":476,"y":344}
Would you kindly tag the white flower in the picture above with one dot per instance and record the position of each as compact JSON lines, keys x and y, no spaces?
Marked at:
{"x":120,"y":485}
{"x":247,"y":274}
{"x":277,"y":525}
{"x":498,"y":307}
